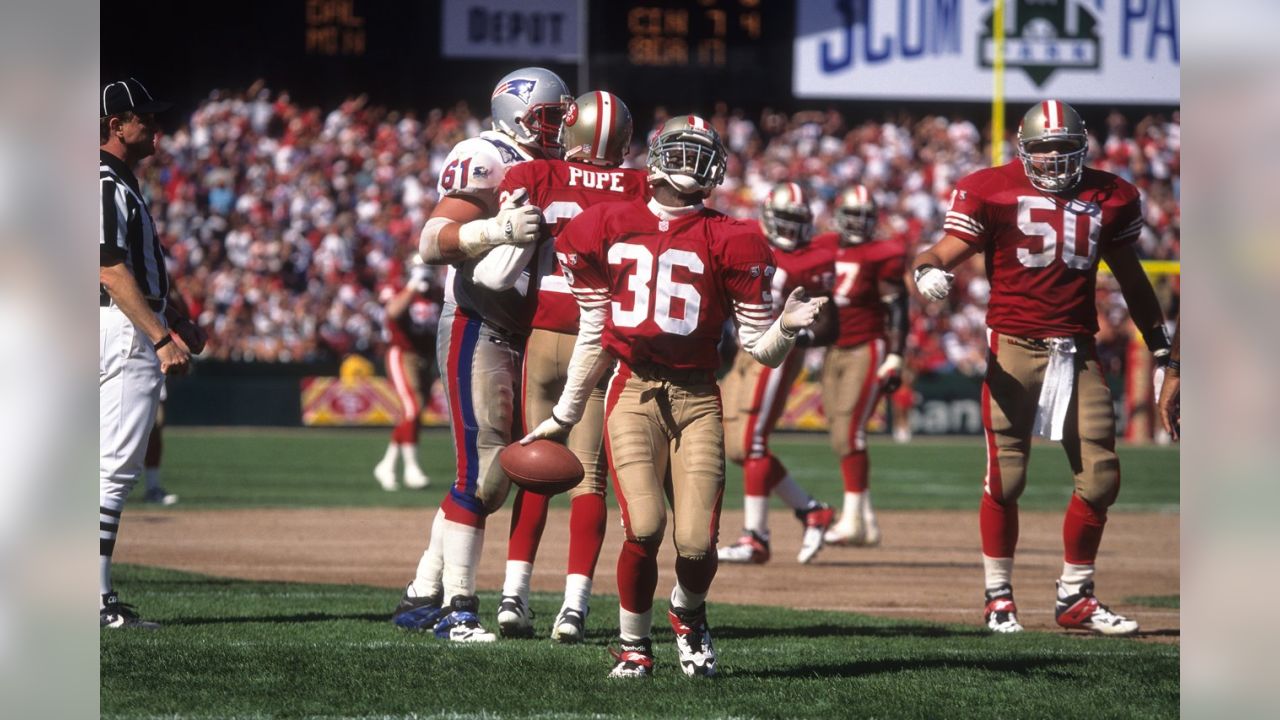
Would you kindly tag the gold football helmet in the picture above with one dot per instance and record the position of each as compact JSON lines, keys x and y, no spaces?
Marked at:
{"x":787,"y":218}
{"x":855,"y":215}
{"x":596,"y":130}
{"x":688,"y":154}
{"x":1052,"y":143}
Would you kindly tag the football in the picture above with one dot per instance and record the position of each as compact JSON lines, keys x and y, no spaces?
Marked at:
{"x":543,"y":466}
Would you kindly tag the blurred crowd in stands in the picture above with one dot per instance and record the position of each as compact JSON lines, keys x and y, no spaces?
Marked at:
{"x":282,"y":221}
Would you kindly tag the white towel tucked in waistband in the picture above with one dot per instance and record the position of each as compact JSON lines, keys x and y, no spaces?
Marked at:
{"x":1055,"y":393}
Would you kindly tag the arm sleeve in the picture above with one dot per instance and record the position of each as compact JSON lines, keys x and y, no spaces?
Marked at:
{"x":966,"y":217}
{"x":748,"y":280}
{"x":579,"y":261}
{"x":501,"y":267}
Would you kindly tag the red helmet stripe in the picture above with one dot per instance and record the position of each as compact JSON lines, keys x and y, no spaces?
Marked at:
{"x":600,"y":122}
{"x":862,"y":194}
{"x":1052,"y":114}
{"x":795,"y":193}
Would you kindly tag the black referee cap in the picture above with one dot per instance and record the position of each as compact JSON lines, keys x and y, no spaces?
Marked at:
{"x":128,"y":96}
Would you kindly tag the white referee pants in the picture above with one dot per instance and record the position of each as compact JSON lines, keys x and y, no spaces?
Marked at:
{"x":129,"y":384}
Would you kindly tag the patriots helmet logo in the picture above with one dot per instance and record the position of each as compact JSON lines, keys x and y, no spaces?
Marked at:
{"x":522,"y":88}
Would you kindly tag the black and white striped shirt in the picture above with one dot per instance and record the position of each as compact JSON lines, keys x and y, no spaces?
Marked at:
{"x":126,"y":231}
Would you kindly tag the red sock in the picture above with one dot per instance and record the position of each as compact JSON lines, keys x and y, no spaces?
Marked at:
{"x":637,"y":575}
{"x":999,"y":525}
{"x":696,"y":575}
{"x":1082,"y":532}
{"x":405,"y":432}
{"x":528,"y":518}
{"x":762,"y":474}
{"x":587,"y":515}
{"x":855,"y":467}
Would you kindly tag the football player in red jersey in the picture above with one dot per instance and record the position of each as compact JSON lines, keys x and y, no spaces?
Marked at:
{"x":655,"y":281}
{"x":755,"y":395}
{"x":595,"y":136}
{"x":412,"y":316}
{"x":480,"y":341}
{"x":865,"y":362}
{"x":1042,"y":221}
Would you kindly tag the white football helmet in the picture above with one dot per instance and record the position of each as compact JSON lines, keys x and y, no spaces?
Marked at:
{"x":688,"y":154}
{"x":855,"y":215}
{"x":596,"y":130}
{"x":787,"y":218}
{"x":529,"y":105}
{"x":1052,"y":144}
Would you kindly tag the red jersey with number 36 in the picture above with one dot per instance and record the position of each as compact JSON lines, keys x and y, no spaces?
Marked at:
{"x":1042,"y":248}
{"x":669,"y":283}
{"x":859,"y":271}
{"x":563,"y":190}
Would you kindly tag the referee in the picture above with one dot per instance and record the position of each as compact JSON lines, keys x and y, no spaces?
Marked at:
{"x":136,"y":348}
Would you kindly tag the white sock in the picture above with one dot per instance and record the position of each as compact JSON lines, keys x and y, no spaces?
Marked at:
{"x":409,"y":451}
{"x":462,"y":546}
{"x":517,"y":579}
{"x":633,"y":627}
{"x":431,"y":565}
{"x":1073,"y":576}
{"x":999,"y":571}
{"x":755,"y":513}
{"x":792,"y":494}
{"x":853,"y":507}
{"x":389,"y":458}
{"x":685,"y":600}
{"x":577,"y":592}
{"x":152,"y":476}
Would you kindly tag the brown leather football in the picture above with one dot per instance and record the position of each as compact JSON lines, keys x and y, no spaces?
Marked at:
{"x":543,"y":466}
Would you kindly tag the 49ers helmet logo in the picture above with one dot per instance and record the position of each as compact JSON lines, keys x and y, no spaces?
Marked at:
{"x":571,"y":115}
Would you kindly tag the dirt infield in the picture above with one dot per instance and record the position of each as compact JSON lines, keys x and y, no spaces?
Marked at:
{"x":928,"y":568}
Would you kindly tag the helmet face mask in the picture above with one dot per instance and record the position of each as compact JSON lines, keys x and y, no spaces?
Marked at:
{"x":1052,"y":144}
{"x":596,"y":130}
{"x":688,"y":155}
{"x":528,"y":105}
{"x":855,"y":215}
{"x":787,"y":218}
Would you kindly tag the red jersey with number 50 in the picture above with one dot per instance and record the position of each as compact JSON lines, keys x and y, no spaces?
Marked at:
{"x":669,"y":284}
{"x":811,"y":267}
{"x":1042,"y":248}
{"x":859,"y":271}
{"x":563,"y":190}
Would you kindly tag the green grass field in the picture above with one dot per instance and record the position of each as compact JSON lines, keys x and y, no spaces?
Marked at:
{"x":240,"y":649}
{"x":310,"y":468}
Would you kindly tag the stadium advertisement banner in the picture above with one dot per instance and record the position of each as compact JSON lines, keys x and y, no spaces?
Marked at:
{"x":514,"y":29}
{"x":1102,"y":51}
{"x":360,"y":402}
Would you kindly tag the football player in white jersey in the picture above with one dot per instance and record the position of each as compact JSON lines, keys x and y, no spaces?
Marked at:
{"x":480,"y":340}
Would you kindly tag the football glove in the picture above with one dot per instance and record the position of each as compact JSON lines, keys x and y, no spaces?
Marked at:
{"x":889,"y":374}
{"x":517,"y":223}
{"x":551,"y":428}
{"x":800,"y":311}
{"x":933,"y":282}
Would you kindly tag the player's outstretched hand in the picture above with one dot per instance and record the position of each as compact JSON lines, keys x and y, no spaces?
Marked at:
{"x":550,"y":428}
{"x":934,"y":283}
{"x":800,"y":311}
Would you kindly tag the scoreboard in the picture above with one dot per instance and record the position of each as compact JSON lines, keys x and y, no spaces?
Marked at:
{"x":682,"y":51}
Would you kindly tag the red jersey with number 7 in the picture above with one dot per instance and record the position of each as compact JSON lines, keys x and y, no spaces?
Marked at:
{"x":563,"y":190}
{"x":1042,"y":248}
{"x":860,"y":269}
{"x":670,"y":284}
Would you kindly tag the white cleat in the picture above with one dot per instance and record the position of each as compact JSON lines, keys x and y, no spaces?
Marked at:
{"x":415,"y":479}
{"x":1082,"y":611}
{"x":1001,"y":614}
{"x":385,"y":473}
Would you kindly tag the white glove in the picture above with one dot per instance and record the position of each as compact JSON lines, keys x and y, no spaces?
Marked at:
{"x":516,"y":223}
{"x":800,"y":311}
{"x":549,"y":428}
{"x":889,"y":374}
{"x":419,"y":279}
{"x":933,"y":282}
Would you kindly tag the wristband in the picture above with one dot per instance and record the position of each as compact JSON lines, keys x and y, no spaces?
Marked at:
{"x":564,"y":425}
{"x":164,"y":341}
{"x":1173,"y":368}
